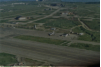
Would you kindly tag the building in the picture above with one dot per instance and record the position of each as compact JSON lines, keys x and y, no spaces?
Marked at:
{"x":53,"y":28}
{"x":81,"y":33}
{"x":50,"y":34}
{"x":18,"y":17}
{"x":21,"y":18}
{"x":65,"y":35}
{"x":64,"y":13}
{"x":35,"y":27}
{"x":39,"y":0}
{"x":18,"y":3}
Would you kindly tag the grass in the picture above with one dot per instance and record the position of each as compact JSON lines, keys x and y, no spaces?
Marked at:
{"x":86,"y":46}
{"x":6,"y":59}
{"x":88,"y":36}
{"x":62,"y":23}
{"x":86,"y":10}
{"x":26,"y":26}
{"x":94,"y":24}
{"x":41,"y":39}
{"x":59,"y":22}
{"x":22,"y":10}
{"x":3,"y":21}
{"x":43,"y":20}
{"x":77,"y":30}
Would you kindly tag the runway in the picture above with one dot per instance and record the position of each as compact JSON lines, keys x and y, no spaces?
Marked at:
{"x":54,"y":54}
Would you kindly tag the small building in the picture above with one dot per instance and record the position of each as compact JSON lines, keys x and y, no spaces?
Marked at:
{"x":21,"y":18}
{"x":53,"y":28}
{"x":50,"y":34}
{"x":53,"y":4}
{"x":35,"y":27}
{"x":64,"y":13}
{"x":81,"y":33}
{"x":65,"y":35}
{"x":18,"y":17}
{"x":39,"y":0}
{"x":71,"y":32}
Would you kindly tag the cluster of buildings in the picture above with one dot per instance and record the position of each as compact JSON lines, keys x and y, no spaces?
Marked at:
{"x":48,"y":9}
{"x":66,"y":13}
{"x":64,"y":34}
{"x":40,"y":0}
{"x":67,"y":34}
{"x":57,"y":4}
{"x":18,"y":3}
{"x":77,"y":33}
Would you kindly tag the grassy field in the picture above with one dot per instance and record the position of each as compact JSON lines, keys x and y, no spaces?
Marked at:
{"x":82,"y":9}
{"x":41,"y":39}
{"x":6,"y":59}
{"x":59,"y":22}
{"x":10,"y":11}
{"x":88,"y":36}
{"x":54,"y":22}
{"x":4,"y":21}
{"x":94,"y":24}
{"x":86,"y":46}
{"x":62,"y":23}
{"x":88,"y":10}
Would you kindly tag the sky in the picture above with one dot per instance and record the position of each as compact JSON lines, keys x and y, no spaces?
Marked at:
{"x":61,"y":0}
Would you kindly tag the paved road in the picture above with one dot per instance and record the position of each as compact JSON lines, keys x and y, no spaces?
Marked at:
{"x":46,"y":16}
{"x":54,"y":54}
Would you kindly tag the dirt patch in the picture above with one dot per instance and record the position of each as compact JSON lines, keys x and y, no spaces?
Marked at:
{"x":28,"y":62}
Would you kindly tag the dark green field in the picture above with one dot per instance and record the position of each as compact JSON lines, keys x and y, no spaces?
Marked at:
{"x":86,"y":10}
{"x":59,"y":23}
{"x":94,"y":24}
{"x":31,"y":9}
{"x":6,"y":59}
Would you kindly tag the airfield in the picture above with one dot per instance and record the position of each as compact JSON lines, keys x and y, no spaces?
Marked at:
{"x":53,"y":54}
{"x":41,"y":19}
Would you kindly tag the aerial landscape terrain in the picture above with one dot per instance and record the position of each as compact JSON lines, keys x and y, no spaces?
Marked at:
{"x":49,"y":33}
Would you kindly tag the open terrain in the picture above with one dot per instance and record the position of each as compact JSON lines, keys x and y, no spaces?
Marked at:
{"x":46,"y":33}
